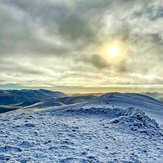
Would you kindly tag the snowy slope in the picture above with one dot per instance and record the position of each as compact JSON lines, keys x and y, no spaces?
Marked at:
{"x":127,"y":99}
{"x":46,"y":103}
{"x":150,"y":106}
{"x":79,"y":136}
{"x":42,"y":105}
{"x":93,"y":132}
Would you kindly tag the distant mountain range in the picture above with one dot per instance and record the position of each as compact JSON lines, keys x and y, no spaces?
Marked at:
{"x":32,"y":99}
{"x":77,"y":99}
{"x":39,"y":99}
{"x":8,"y":97}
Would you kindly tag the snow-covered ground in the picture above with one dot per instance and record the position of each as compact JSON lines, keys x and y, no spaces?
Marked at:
{"x":152,"y":107}
{"x":80,"y":134}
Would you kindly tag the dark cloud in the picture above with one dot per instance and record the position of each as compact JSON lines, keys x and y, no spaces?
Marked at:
{"x":69,"y":22}
{"x":156,"y":37}
{"x":151,"y":12}
{"x":122,"y":67}
{"x":94,"y":60}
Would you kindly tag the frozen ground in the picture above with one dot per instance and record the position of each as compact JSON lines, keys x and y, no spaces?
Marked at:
{"x":80,"y":135}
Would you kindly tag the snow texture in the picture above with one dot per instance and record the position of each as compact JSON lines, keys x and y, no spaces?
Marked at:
{"x":80,"y":135}
{"x":93,"y":132}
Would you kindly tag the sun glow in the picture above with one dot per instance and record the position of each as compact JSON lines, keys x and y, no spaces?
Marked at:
{"x":113,"y":51}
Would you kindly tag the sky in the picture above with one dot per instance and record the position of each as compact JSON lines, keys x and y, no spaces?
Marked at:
{"x":62,"y":45}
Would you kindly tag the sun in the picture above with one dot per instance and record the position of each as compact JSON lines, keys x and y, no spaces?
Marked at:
{"x":113,"y":51}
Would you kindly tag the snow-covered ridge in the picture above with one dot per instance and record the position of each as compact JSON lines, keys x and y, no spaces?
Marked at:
{"x":94,"y":131}
{"x":152,"y":107}
{"x":126,"y":99}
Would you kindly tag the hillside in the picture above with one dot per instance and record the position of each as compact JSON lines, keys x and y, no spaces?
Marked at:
{"x":20,"y":96}
{"x":76,"y":99}
{"x":150,"y":106}
{"x":23,"y":99}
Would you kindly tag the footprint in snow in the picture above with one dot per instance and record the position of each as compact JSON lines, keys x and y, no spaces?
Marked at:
{"x":61,"y":147}
{"x":74,"y":160}
{"x":5,"y":157}
{"x":66,"y":147}
{"x":26,"y":144}
{"x":29,"y":125}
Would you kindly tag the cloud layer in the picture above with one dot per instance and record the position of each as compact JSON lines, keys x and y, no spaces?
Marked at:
{"x":59,"y":44}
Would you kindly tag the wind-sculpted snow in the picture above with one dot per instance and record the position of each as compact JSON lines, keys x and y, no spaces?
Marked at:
{"x":129,"y":119}
{"x":153,"y":108}
{"x":75,"y":134}
{"x":136,"y":120}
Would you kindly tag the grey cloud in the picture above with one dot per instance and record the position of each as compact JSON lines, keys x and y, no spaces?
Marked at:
{"x":151,"y":12}
{"x":47,"y":13}
{"x":94,"y":60}
{"x":156,"y":37}
{"x":122,"y":67}
{"x":98,"y":62}
{"x":13,"y":68}
{"x":18,"y":34}
{"x":70,"y":22}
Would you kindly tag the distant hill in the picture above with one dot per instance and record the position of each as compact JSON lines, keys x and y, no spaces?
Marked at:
{"x":46,"y":103}
{"x":77,"y":99}
{"x":28,"y":103}
{"x":33,"y":105}
{"x":8,"y":97}
{"x":4,"y":109}
{"x":156,"y":95}
{"x":86,"y":94}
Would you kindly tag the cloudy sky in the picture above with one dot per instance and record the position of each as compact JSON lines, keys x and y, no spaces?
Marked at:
{"x":62,"y":45}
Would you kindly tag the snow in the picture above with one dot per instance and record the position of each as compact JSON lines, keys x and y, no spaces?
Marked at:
{"x":81,"y":133}
{"x":153,"y":108}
